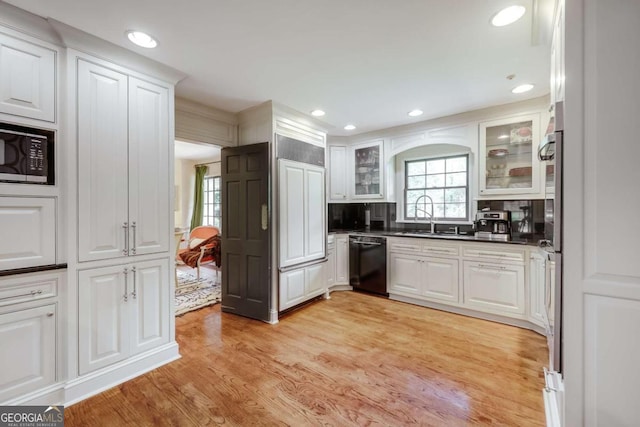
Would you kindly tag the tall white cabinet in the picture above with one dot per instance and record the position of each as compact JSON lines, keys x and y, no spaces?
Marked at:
{"x":123,"y":165}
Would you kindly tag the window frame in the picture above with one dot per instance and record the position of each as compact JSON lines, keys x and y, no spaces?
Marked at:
{"x":466,"y":187}
{"x":209,"y":192}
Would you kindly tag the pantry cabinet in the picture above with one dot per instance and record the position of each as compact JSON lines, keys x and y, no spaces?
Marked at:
{"x":125,"y":311}
{"x":123,"y":164}
{"x":27,"y":79}
{"x":508,"y":160}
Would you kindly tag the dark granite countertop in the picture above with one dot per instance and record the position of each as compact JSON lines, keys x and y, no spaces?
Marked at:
{"x":33,"y":269}
{"x":422,"y":235}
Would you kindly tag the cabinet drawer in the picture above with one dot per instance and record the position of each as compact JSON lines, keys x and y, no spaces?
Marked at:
{"x":440,"y":250}
{"x":36,"y":290}
{"x":494,"y":254}
{"x":405,"y":246}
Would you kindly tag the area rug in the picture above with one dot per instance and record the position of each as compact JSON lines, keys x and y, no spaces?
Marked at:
{"x":192,"y":294}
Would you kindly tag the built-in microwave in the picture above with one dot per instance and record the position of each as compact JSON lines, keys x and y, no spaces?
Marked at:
{"x":26,"y":155}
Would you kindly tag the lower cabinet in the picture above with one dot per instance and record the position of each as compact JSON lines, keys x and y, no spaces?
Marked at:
{"x":495,"y":287}
{"x":124,"y":311}
{"x":342,"y":259}
{"x":331,"y":266}
{"x":432,"y":278}
{"x":537,"y":284}
{"x":28,"y":355}
{"x":297,"y":286}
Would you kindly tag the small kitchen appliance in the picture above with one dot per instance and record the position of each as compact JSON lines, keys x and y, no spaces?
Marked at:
{"x":494,"y":225}
{"x":26,"y":155}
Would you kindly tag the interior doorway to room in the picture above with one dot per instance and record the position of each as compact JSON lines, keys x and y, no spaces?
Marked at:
{"x":198,"y":221}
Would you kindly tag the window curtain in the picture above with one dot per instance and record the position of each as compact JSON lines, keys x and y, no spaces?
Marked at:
{"x":198,"y":197}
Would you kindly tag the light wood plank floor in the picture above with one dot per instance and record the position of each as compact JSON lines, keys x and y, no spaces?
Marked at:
{"x":352,"y":360}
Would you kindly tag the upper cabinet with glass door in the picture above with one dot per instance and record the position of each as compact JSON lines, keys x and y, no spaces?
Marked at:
{"x":508,"y":156}
{"x":368,"y":166}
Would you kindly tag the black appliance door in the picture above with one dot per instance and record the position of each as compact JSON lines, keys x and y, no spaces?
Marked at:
{"x":368,"y":264}
{"x":37,"y":158}
{"x":13,"y":157}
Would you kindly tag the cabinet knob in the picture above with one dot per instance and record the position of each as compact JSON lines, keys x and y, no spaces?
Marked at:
{"x":50,"y":314}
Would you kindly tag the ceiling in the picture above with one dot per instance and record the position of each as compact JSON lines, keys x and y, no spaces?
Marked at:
{"x":189,"y":151}
{"x":365,"y":62}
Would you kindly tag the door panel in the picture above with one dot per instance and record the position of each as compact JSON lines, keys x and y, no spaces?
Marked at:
{"x":102,"y":335}
{"x":148,"y":167}
{"x":102,"y":162}
{"x":315,"y":227}
{"x":406,"y":274}
{"x":29,"y":350}
{"x":441,"y":279}
{"x":494,"y":288}
{"x":246,"y":278}
{"x":150,"y":303}
{"x":292,"y":288}
{"x":315,"y":283}
{"x":292,"y":212}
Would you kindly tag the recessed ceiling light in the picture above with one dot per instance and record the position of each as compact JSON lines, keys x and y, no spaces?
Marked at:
{"x":142,"y":39}
{"x":505,"y":136}
{"x":508,"y":15}
{"x":522,"y":88}
{"x":415,"y":113}
{"x":349,"y":127}
{"x":317,"y":113}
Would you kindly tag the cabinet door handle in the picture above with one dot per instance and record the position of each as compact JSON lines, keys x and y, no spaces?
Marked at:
{"x":492,"y":267}
{"x":125,"y":226}
{"x":134,"y":294}
{"x":28,"y":294}
{"x":491,"y":254}
{"x":438,"y":250}
{"x":264,"y":217}
{"x":133,"y":247}
{"x":50,"y":314}
{"x":126,"y":284}
{"x":413,"y":248}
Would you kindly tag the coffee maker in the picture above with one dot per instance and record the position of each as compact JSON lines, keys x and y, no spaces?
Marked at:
{"x":494,"y":225}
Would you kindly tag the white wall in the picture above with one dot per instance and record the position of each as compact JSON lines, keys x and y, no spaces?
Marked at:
{"x":185,"y":177}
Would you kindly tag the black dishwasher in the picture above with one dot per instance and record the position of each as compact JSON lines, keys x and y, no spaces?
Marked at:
{"x":368,"y":264}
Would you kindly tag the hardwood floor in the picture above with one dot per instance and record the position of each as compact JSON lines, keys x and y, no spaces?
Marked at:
{"x":352,"y":360}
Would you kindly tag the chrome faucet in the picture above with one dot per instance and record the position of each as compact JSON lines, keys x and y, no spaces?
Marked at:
{"x":415,"y":207}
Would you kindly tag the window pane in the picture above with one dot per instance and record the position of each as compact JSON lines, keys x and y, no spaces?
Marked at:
{"x":216,"y":210}
{"x":411,"y":211}
{"x":416,"y":181}
{"x":457,"y":179}
{"x":456,"y":210}
{"x":457,"y":164}
{"x":416,"y":168}
{"x":435,"y":166}
{"x":436,"y":195}
{"x":216,"y":197}
{"x":438,"y":211}
{"x":455,"y":195}
{"x":412,"y":196}
{"x":435,"y":180}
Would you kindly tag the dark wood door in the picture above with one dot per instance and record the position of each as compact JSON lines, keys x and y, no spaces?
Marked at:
{"x":246,"y":228}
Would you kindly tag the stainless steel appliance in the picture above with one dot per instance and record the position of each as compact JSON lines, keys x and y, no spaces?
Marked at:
{"x":551,"y":150}
{"x":495,"y":225}
{"x":368,"y":264}
{"x":26,"y":155}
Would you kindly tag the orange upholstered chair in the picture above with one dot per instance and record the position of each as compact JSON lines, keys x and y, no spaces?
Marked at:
{"x":196,"y":237}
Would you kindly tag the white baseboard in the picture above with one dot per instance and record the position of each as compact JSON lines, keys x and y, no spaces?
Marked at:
{"x":51,"y":395}
{"x":96,"y":382}
{"x":340,"y":288}
{"x":466,"y":312}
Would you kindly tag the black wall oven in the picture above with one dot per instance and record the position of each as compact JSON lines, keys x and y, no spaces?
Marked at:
{"x":368,"y":264}
{"x":26,"y":155}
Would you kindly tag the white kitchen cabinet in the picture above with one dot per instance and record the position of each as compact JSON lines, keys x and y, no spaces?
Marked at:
{"x":342,"y":259}
{"x":557,"y":56}
{"x":27,"y":79}
{"x":537,"y":283}
{"x":299,"y":285}
{"x":124,"y":311}
{"x":508,"y":159}
{"x":367,"y":161}
{"x":28,"y":357}
{"x":440,"y":279}
{"x":428,"y":277}
{"x":494,"y":287}
{"x":123,"y":164}
{"x":302,"y":234}
{"x":405,"y":274}
{"x":550,"y":294}
{"x":331,"y":262}
{"x":337,"y":173}
{"x":28,"y":232}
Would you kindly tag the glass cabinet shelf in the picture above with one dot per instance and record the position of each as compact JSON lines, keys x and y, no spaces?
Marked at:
{"x":367,"y":170}
{"x":508,"y":160}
